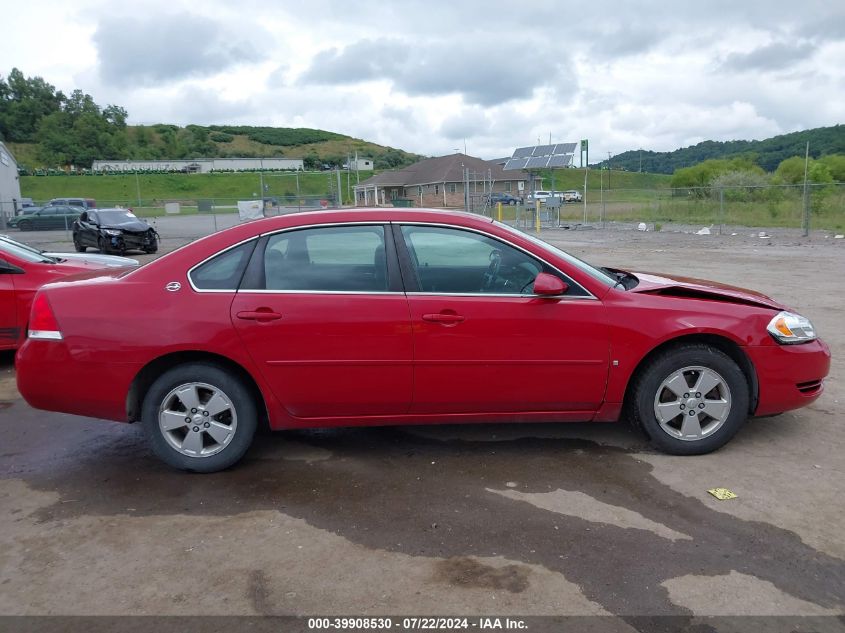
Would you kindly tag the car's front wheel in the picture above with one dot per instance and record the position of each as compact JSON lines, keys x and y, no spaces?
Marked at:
{"x":25,"y":225}
{"x":199,"y":417}
{"x":690,"y":400}
{"x":78,"y":245}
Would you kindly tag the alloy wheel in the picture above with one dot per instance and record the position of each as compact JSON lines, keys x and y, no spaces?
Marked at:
{"x":197,"y":419}
{"x":692,"y":403}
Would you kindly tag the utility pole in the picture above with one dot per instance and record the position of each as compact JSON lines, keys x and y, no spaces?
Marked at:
{"x":339,"y":191}
{"x":806,"y":197}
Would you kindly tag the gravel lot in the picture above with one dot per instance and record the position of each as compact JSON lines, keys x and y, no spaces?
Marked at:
{"x":507,"y":519}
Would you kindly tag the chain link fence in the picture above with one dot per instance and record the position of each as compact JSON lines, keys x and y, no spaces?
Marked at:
{"x":725,"y":209}
{"x":818,"y":206}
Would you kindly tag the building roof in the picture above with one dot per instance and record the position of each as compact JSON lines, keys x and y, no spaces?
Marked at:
{"x":448,"y":168}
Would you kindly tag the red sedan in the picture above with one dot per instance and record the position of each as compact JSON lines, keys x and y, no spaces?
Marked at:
{"x":374,"y":317}
{"x":23,"y":270}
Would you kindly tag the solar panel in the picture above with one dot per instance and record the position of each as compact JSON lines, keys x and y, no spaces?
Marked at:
{"x":565,"y":148}
{"x":543,"y":150}
{"x":515,"y":163}
{"x":562,"y":160}
{"x":540,"y":156}
{"x":537,"y":162}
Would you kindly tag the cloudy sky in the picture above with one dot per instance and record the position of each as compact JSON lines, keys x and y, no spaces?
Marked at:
{"x":427,"y":76}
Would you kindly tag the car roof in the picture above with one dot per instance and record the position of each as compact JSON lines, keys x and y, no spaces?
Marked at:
{"x":211,"y":244}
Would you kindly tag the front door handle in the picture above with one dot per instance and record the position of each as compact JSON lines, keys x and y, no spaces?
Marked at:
{"x":443,"y":317}
{"x":259,"y":314}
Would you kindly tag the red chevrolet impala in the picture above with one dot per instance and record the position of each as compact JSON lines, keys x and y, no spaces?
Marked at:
{"x":374,"y":317}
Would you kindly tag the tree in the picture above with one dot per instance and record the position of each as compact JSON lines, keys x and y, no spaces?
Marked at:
{"x":80,"y":133}
{"x":741,"y":185}
{"x":116,"y":116}
{"x":23,"y":103}
{"x":835,"y":164}
{"x":791,"y":170}
{"x":700,"y":176}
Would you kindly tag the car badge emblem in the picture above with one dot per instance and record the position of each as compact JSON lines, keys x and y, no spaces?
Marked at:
{"x":173,"y":286}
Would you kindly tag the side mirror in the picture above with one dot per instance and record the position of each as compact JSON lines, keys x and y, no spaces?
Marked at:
{"x":547,"y":285}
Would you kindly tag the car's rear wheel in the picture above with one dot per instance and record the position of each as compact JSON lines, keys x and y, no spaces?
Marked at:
{"x":78,"y":245}
{"x":199,"y":417}
{"x":690,"y":400}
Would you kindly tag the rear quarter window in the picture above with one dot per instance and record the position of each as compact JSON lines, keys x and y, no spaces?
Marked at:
{"x":223,"y":271}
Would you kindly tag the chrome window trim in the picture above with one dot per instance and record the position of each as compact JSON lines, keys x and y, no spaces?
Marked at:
{"x":502,"y":295}
{"x":590,"y":295}
{"x":318,"y":292}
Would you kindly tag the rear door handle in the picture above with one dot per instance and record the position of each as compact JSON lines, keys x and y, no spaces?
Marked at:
{"x":441,"y":317}
{"x":259,"y":314}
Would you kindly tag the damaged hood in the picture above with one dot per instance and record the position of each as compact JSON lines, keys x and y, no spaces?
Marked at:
{"x":127,"y":224}
{"x":688,"y":287}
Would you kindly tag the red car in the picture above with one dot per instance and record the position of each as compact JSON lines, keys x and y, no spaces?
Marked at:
{"x":23,"y":270}
{"x":375,"y":317}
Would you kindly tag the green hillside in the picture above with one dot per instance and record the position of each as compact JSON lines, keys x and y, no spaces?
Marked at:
{"x":767,"y":153}
{"x":169,"y":142}
{"x":47,"y":129}
{"x":156,"y":188}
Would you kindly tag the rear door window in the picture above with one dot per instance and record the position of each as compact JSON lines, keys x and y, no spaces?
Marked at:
{"x":327,"y":259}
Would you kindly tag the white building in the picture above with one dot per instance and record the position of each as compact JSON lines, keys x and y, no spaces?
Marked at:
{"x":10,"y":186}
{"x":360,"y":164}
{"x":200,"y":165}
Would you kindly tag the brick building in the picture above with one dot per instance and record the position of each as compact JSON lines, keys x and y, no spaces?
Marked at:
{"x":440,"y":182}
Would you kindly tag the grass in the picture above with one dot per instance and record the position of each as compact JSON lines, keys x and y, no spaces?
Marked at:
{"x":157,"y":188}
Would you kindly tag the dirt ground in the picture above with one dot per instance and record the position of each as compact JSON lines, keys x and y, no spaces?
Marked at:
{"x":504,"y":519}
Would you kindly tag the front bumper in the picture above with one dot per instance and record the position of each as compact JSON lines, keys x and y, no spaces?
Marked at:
{"x":789,"y":376}
{"x":128,"y":240}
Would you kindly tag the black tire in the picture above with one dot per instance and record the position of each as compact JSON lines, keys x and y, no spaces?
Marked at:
{"x":77,"y":245}
{"x":640,"y":404}
{"x":102,"y":245}
{"x":25,"y":225}
{"x":221,"y":379}
{"x":153,"y":248}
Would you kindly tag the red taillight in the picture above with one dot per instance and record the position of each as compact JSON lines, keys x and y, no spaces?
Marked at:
{"x":42,"y":321}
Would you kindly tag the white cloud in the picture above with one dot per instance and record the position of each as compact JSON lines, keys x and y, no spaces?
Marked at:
{"x":650,"y":74}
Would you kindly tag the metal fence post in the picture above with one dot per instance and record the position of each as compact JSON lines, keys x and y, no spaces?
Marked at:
{"x":721,"y":209}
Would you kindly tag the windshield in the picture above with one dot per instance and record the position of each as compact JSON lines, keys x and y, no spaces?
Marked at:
{"x":117,"y":216}
{"x":581,"y":265}
{"x":24,"y":252}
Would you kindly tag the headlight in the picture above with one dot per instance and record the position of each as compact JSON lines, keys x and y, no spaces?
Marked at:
{"x":111,"y":232}
{"x":789,"y":328}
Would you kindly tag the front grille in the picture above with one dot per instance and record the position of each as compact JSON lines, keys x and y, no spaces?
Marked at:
{"x":810,"y":387}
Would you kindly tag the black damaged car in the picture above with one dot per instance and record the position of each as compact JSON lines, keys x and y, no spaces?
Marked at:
{"x":113,"y":231}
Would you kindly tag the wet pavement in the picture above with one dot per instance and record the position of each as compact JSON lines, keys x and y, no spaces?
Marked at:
{"x":573,"y":519}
